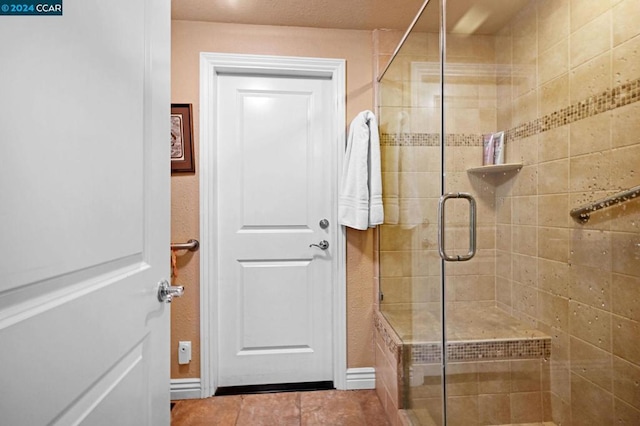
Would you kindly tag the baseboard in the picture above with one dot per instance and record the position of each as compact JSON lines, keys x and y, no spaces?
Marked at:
{"x":185,"y":389}
{"x":361,"y":378}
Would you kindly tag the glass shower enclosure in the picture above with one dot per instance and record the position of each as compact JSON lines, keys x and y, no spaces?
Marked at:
{"x":496,"y":120}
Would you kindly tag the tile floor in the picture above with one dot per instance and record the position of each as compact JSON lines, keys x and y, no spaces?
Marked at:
{"x":335,"y":408}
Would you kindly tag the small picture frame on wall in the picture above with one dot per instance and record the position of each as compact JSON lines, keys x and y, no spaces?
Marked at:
{"x":182,"y":160}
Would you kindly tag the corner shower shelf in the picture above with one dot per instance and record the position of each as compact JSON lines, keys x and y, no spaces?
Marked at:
{"x":495,"y":168}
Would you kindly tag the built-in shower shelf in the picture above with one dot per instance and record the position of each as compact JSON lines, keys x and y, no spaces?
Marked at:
{"x":495,"y":168}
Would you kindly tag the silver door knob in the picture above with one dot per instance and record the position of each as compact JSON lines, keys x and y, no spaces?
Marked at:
{"x":324,"y":244}
{"x":167,"y":292}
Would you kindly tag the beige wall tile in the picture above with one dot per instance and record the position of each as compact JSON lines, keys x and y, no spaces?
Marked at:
{"x":526,"y":407}
{"x":626,"y":61}
{"x":590,"y":324}
{"x":553,"y":144}
{"x":554,"y":243}
{"x":590,"y":135}
{"x":590,"y":172}
{"x":591,"y":39}
{"x":625,"y":296}
{"x":503,"y":213}
{"x":626,"y":377}
{"x":626,"y":253}
{"x":553,"y":177}
{"x":398,"y":237}
{"x":554,"y":62}
{"x":560,"y":410}
{"x":525,"y":108}
{"x":524,"y":299}
{"x":462,"y":378}
{"x":494,"y":377}
{"x":525,"y":240}
{"x":591,"y":405}
{"x":624,"y":332}
{"x":525,"y":270}
{"x":494,"y":409}
{"x":625,"y":414}
{"x":625,"y":18}
{"x":553,"y":277}
{"x":549,"y":209}
{"x":625,"y":168}
{"x":590,"y":78}
{"x":526,"y":181}
{"x":554,"y":95}
{"x":625,"y":217}
{"x":591,"y":286}
{"x":553,"y":310}
{"x":625,"y":125}
{"x":591,"y":363}
{"x":525,"y":210}
{"x":584,"y":11}
{"x":503,"y":291}
{"x":462,"y":410}
{"x":395,"y":263}
{"x":526,"y":375}
{"x":553,"y":22}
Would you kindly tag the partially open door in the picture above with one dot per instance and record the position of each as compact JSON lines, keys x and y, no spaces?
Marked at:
{"x":84,"y":215}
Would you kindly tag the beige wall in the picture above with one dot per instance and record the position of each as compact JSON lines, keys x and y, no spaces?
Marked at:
{"x":188,"y":40}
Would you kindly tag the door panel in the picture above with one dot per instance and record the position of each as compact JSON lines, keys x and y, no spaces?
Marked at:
{"x":274,"y":289}
{"x":85,"y":215}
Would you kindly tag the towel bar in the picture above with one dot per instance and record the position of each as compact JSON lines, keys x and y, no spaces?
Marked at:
{"x":191,"y":245}
{"x":581,"y":214}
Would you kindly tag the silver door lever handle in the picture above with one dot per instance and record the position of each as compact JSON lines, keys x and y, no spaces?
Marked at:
{"x":324,"y":244}
{"x":167,"y":292}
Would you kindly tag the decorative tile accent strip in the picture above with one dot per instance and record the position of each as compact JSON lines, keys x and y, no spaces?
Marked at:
{"x":430,"y":353}
{"x":429,"y":139}
{"x":608,"y":100}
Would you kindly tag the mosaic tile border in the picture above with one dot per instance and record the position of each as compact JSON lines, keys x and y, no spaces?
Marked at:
{"x":608,"y":100}
{"x":429,"y":139}
{"x":390,"y":338}
{"x":430,"y":353}
{"x":473,"y":350}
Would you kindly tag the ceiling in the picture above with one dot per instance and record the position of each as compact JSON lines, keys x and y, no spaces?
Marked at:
{"x":463,"y":16}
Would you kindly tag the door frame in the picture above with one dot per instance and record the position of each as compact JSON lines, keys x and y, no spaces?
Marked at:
{"x":211,"y":65}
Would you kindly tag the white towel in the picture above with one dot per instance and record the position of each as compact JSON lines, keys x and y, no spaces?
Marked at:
{"x":360,"y":204}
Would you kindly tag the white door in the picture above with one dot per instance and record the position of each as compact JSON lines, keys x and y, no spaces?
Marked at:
{"x":84,"y":215}
{"x":274,"y":159}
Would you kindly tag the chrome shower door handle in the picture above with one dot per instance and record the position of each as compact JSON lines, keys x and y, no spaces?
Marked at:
{"x":323,"y":245}
{"x":472,"y":227}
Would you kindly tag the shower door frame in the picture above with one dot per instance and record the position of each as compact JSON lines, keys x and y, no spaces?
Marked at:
{"x":442,"y":56}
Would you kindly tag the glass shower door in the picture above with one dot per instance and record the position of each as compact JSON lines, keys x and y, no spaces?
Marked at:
{"x":496,"y":359}
{"x":410,"y":111}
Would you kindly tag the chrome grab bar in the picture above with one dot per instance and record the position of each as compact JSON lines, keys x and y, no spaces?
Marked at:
{"x":191,"y":245}
{"x":582,"y":214}
{"x":472,"y":227}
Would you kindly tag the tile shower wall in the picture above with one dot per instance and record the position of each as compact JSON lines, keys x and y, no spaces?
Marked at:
{"x":565,"y":88}
{"x":410,"y":127}
{"x":570,"y":100}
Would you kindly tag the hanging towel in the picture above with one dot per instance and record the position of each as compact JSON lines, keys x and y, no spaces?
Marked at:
{"x":360,"y":205}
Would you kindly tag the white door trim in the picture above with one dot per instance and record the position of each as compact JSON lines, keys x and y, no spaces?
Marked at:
{"x":211,"y":65}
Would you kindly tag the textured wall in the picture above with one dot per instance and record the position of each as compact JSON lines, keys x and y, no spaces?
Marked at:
{"x":572,"y":94}
{"x":188,"y":40}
